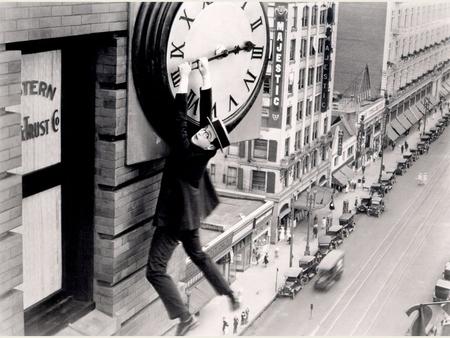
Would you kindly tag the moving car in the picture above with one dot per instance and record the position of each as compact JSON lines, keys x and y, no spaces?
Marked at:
{"x":293,"y":283}
{"x":330,"y":270}
{"x":441,"y":290}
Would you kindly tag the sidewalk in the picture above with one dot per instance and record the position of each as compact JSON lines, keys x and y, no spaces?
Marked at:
{"x":258,"y":284}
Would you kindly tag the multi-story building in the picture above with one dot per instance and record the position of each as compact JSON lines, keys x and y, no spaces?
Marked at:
{"x":407,"y":47}
{"x":292,"y":152}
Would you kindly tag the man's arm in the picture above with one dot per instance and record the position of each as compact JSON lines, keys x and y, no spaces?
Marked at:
{"x":205,"y":93}
{"x":182,"y":141}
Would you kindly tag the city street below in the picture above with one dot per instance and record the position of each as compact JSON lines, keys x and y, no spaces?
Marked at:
{"x":391,"y":262}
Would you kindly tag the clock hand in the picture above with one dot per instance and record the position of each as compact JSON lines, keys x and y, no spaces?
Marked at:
{"x":247,"y":47}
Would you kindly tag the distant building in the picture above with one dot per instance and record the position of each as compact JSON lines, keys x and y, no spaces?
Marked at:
{"x":406,"y":46}
{"x":292,"y":153}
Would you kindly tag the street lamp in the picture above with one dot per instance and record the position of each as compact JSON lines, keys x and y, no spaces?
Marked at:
{"x":426,"y":104}
{"x":311,"y":201}
{"x":276,"y":281}
{"x":383,"y":134}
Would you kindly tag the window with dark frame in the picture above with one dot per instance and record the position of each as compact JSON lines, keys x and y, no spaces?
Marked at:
{"x":260,"y":147}
{"x":231,"y":176}
{"x":259,"y":180}
{"x":305,"y":16}
{"x":299,"y":110}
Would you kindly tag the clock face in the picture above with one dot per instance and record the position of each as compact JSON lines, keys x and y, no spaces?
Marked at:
{"x":197,"y":30}
{"x":167,"y":34}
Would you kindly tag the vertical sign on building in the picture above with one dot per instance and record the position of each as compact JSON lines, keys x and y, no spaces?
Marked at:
{"x":326,"y":63}
{"x":279,"y":42}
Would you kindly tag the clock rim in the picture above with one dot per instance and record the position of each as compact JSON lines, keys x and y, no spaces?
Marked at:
{"x":152,"y":28}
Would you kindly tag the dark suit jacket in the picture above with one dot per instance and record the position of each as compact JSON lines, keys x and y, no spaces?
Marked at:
{"x":187,"y":194}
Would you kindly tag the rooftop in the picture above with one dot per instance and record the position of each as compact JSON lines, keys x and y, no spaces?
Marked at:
{"x":229,"y":212}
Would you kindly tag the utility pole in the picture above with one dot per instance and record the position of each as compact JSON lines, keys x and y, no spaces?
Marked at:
{"x":310,"y":199}
{"x":383,"y":134}
{"x":291,"y":221}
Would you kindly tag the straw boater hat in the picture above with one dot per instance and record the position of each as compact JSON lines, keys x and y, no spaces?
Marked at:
{"x":222,"y":136}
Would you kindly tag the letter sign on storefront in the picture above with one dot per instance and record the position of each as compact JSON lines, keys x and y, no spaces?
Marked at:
{"x":40,"y":110}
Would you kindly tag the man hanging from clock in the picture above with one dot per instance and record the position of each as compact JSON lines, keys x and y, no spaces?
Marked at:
{"x":187,"y":196}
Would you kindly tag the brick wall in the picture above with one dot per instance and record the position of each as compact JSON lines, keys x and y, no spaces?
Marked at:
{"x":11,"y":300}
{"x":125,"y":201}
{"x":25,"y":21}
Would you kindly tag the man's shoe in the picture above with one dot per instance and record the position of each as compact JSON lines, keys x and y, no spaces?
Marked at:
{"x":235,"y":301}
{"x":186,"y":325}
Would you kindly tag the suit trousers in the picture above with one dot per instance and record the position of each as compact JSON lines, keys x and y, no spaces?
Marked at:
{"x":164,"y":242}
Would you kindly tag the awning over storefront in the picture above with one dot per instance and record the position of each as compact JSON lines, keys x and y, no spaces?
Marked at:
{"x":404,"y":121}
{"x":398,"y":127}
{"x":410,"y":116}
{"x":347,"y":171}
{"x":339,"y":178}
{"x":391,"y":133}
{"x":433,"y":100}
{"x":416,"y":112}
{"x":284,"y":213}
{"x":323,"y":198}
{"x":420,"y":107}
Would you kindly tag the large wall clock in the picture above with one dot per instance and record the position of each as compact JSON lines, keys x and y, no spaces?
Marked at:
{"x":167,"y":34}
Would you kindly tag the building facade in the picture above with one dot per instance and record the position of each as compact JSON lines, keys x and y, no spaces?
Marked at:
{"x":75,"y":218}
{"x":292,"y":151}
{"x":406,"y":47}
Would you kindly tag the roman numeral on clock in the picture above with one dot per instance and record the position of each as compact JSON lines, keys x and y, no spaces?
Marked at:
{"x":231,"y":101}
{"x":206,"y":4}
{"x":192,"y":102}
{"x":256,"y":24}
{"x":214,"y":110}
{"x":187,"y":19}
{"x":250,"y":79}
{"x":175,"y":76}
{"x":257,"y":52}
{"x":243,"y":6}
{"x":177,"y":51}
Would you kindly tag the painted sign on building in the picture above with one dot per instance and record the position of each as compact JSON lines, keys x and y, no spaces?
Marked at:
{"x":326,"y":71}
{"x":279,"y":46}
{"x":40,"y":109}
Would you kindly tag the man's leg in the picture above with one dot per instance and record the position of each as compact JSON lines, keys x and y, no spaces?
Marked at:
{"x":192,"y":246}
{"x":161,"y":249}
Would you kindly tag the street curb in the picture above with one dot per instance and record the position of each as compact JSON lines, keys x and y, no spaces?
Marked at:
{"x":257,"y":315}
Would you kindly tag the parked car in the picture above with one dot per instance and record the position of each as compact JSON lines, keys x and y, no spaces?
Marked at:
{"x":378,"y":188}
{"x":388,"y":180}
{"x":309,"y":265}
{"x":364,"y":203}
{"x":336,"y":233}
{"x":376,"y":207}
{"x":347,"y":220}
{"x":330,"y":269}
{"x":293,"y":283}
{"x":446,"y":273}
{"x":325,"y":244}
{"x":441,"y":290}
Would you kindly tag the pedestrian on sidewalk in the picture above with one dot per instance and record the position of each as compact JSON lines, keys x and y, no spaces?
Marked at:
{"x":247,"y":313}
{"x":235,"y":324}
{"x":324,"y":223}
{"x":356,"y":203}
{"x":363,"y":169}
{"x":257,"y":256}
{"x":315,"y":230}
{"x":277,"y":252}
{"x":186,"y":187}
{"x":266,"y":259}
{"x":393,"y":146}
{"x":406,"y":145}
{"x":243,"y":317}
{"x":224,"y":326}
{"x":401,"y":148}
